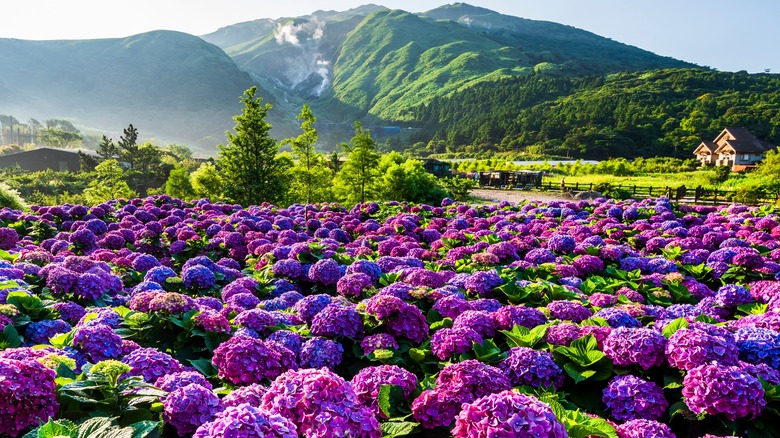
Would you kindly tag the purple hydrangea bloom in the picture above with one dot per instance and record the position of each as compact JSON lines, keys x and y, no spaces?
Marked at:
{"x":562,"y":334}
{"x":325,"y":271}
{"x":320,"y":403}
{"x":451,"y":306}
{"x":288,"y":268}
{"x":380,"y":341}
{"x":98,"y":342}
{"x":436,"y":408}
{"x":247,"y":421}
{"x":400,"y":318}
{"x":151,"y":364}
{"x":337,"y":319}
{"x":40,"y":332}
{"x":244,"y":360}
{"x":510,"y":316}
{"x":27,"y":396}
{"x":569,"y":311}
{"x":472,"y":379}
{"x":635,"y":346}
{"x":526,"y":366}
{"x":353,"y":284}
{"x":507,"y":413}
{"x":628,"y":397}
{"x":287,"y":339}
{"x":561,"y":243}
{"x":250,"y":394}
{"x":365,"y":267}
{"x":479,"y":321}
{"x":258,"y":320}
{"x":693,"y":346}
{"x":722,"y":389}
{"x":188,"y":407}
{"x":482,"y":283}
{"x":8,"y":238}
{"x":731,"y":295}
{"x":171,"y":303}
{"x":198,"y":277}
{"x":449,"y":342}
{"x":320,"y":352}
{"x":618,"y":318}
{"x":369,"y":380}
{"x":642,"y":428}
{"x":170,"y":382}
{"x":159,"y":274}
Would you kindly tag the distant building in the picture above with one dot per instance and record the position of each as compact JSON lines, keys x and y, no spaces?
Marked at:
{"x":734,"y":147}
{"x":42,"y":159}
{"x":436,"y":167}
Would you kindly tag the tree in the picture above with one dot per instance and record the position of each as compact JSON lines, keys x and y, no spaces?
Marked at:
{"x":251,"y":171}
{"x":128,"y":147}
{"x":178,"y":184}
{"x":206,"y":182}
{"x":107,"y":150}
{"x":108,"y":184}
{"x":360,"y":170}
{"x":58,"y":138}
{"x":408,"y":181}
{"x":310,"y":178}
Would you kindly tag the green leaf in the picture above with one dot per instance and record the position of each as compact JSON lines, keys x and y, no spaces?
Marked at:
{"x":417,"y":354}
{"x":392,"y":429}
{"x":487,"y":351}
{"x":384,"y":399}
{"x":579,"y":425}
{"x":673,"y":326}
{"x":62,"y":339}
{"x":381,"y":354}
{"x":753,"y":308}
{"x":95,"y":427}
{"x":204,"y":366}
{"x":11,"y":336}
{"x":391,"y":399}
{"x":143,"y":429}
{"x":59,"y":428}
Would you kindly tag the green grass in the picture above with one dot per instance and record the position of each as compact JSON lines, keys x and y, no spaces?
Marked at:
{"x":689,"y":179}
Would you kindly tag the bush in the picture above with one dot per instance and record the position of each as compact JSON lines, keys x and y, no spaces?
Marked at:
{"x":10,"y":198}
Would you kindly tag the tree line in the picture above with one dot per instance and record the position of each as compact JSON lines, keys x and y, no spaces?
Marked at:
{"x":639,"y":114}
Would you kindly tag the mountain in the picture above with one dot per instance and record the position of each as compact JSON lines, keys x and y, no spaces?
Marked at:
{"x":371,"y":64}
{"x":170,"y":85}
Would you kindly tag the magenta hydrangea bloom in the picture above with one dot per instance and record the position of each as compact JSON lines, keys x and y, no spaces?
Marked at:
{"x":482,"y":283}
{"x":526,"y":366}
{"x":251,"y":394}
{"x":449,"y":342}
{"x":353,"y":284}
{"x":628,"y":397}
{"x":635,"y":346}
{"x":722,"y":389}
{"x":642,"y":428}
{"x":151,"y":364}
{"x":369,"y":380}
{"x":472,"y":379}
{"x":27,"y":395}
{"x":690,"y":347}
{"x":569,"y":311}
{"x":188,"y":407}
{"x":379,"y":341}
{"x":509,"y":316}
{"x":247,"y":421}
{"x":170,"y":382}
{"x":436,"y":408}
{"x":243,"y":360}
{"x":508,"y":414}
{"x":479,"y":321}
{"x":321,"y":404}
{"x":320,"y":352}
{"x":258,"y":320}
{"x":325,"y":271}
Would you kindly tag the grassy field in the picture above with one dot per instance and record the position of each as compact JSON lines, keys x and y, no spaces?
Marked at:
{"x":689,"y":179}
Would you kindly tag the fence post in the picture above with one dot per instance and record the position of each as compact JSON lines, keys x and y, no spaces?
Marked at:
{"x":650,"y":191}
{"x":590,"y":187}
{"x":577,"y":185}
{"x":633,"y":193}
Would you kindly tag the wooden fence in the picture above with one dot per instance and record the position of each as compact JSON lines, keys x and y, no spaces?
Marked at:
{"x":697,"y":195}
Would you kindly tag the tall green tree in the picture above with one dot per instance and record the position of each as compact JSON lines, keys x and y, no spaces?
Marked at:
{"x":357,"y":174}
{"x":107,"y":150}
{"x":128,"y":146}
{"x":108,"y":184}
{"x":58,"y":138}
{"x":250,"y":168}
{"x":207,"y":182}
{"x":310,"y":178}
{"x":179,"y":185}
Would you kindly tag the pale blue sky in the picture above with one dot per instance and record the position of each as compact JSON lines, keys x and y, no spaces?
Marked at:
{"x":728,"y":35}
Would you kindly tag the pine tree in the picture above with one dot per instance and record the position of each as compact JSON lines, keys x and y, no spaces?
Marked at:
{"x":360,"y":170}
{"x":250,"y":169}
{"x":311,"y":179}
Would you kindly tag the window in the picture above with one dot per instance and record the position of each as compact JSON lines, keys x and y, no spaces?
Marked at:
{"x":745,"y":157}
{"x":63,"y":166}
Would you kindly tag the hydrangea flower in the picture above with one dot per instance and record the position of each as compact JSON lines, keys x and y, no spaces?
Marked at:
{"x":27,"y":395}
{"x":479,"y":321}
{"x":723,"y":389}
{"x":320,"y":404}
{"x":98,"y":342}
{"x":449,"y":342}
{"x":379,"y":341}
{"x":198,"y":277}
{"x":247,"y":421}
{"x":250,"y":394}
{"x":482,"y":283}
{"x":472,"y":379}
{"x":628,"y":397}
{"x":400,"y":318}
{"x":170,"y":382}
{"x":526,"y":366}
{"x":693,"y":346}
{"x":569,"y":311}
{"x":642,"y":428}
{"x":151,"y":364}
{"x":243,"y":360}
{"x":509,"y":316}
{"x":643,"y":347}
{"x":759,"y":345}
{"x":320,"y":352}
{"x":310,"y":305}
{"x":353,"y":284}
{"x":188,"y":407}
{"x":369,"y":380}
{"x":337,"y":319}
{"x":325,"y":271}
{"x":508,"y":413}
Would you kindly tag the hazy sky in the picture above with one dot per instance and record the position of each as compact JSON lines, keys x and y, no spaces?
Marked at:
{"x":729,"y":35}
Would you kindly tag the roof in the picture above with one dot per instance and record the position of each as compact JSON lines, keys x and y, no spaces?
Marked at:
{"x":54,"y":150}
{"x":706,"y":146}
{"x":744,"y":142}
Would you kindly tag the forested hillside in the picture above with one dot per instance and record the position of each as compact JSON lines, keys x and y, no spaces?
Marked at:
{"x":660,"y":112}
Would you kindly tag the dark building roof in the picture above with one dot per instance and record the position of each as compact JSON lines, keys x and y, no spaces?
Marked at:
{"x":744,"y":142}
{"x":43,"y":159}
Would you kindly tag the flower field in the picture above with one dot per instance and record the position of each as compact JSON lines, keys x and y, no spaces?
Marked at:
{"x":156,"y":317}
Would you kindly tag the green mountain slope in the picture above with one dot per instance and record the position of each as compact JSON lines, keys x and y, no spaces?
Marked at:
{"x":660,"y":112}
{"x":171,"y":85}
